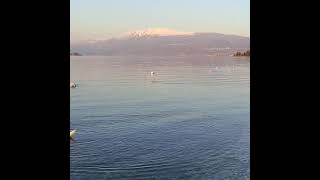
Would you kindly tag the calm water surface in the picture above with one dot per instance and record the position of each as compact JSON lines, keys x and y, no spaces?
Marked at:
{"x":188,"y":121}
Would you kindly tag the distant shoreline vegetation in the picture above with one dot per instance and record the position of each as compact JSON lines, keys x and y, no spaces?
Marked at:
{"x":247,"y":53}
{"x":75,"y":54}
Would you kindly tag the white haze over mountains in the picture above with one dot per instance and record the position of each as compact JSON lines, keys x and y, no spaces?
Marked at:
{"x":164,"y":41}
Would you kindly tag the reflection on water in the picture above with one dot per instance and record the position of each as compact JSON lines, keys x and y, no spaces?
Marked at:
{"x":190,"y":120}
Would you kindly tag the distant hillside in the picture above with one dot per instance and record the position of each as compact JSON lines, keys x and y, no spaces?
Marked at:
{"x":165,"y":42}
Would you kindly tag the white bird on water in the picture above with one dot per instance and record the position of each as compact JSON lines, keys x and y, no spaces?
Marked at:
{"x":72,"y":133}
{"x":152,"y":73}
{"x":73,"y":85}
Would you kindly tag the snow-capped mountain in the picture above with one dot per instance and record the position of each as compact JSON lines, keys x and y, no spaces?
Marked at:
{"x":154,"y":32}
{"x":163,"y":41}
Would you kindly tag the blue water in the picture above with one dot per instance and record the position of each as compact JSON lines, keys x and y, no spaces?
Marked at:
{"x":188,"y":121}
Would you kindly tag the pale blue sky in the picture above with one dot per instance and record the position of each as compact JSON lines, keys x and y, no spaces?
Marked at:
{"x":92,"y":19}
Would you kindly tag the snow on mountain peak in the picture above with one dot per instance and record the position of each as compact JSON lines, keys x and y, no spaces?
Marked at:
{"x":155,"y":32}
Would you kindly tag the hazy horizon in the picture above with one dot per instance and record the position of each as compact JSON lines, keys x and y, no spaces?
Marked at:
{"x":106,"y":19}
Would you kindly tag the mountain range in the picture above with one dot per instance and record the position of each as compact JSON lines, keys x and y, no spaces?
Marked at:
{"x":163,"y":41}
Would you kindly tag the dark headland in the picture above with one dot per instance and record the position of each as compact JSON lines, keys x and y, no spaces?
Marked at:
{"x":75,"y":54}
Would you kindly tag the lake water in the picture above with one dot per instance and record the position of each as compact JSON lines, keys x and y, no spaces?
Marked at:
{"x":190,"y":120}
